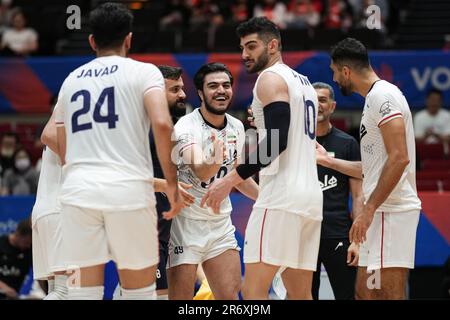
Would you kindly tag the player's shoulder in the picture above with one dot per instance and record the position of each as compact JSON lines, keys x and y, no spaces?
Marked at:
{"x":189,"y":120}
{"x":383,"y":89}
{"x":234,"y":122}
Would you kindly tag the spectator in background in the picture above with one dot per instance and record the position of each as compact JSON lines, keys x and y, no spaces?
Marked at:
{"x":15,"y":260}
{"x":338,"y":15}
{"x":272,"y":10}
{"x":240,"y":11}
{"x":5,"y":14}
{"x":206,"y":13}
{"x":304,"y":14}
{"x":176,"y":15}
{"x":19,"y":40}
{"x":22,"y":179}
{"x":9,"y":144}
{"x":432,"y":125}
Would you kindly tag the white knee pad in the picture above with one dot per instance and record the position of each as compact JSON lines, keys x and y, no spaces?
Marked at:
{"x":147,"y":293}
{"x":86,"y":293}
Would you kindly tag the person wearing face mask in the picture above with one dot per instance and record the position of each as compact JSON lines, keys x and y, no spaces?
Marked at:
{"x":7,"y":149}
{"x":22,"y":179}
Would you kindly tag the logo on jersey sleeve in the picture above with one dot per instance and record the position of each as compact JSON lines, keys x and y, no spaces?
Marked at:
{"x":385,"y":109}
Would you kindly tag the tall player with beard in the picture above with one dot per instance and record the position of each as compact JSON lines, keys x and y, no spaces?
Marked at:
{"x":388,"y":223}
{"x":209,"y":143}
{"x":283,"y":231}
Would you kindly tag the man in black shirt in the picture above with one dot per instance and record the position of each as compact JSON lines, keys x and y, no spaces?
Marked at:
{"x":175,"y":98}
{"x":15,"y":260}
{"x":339,"y":257}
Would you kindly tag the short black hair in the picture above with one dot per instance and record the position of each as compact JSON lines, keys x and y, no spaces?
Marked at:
{"x":169,"y":72}
{"x":263,"y":27}
{"x":434,"y":90}
{"x":110,"y":24}
{"x":208,"y":68}
{"x":323,"y":85}
{"x":350,"y":52}
{"x":24,"y":227}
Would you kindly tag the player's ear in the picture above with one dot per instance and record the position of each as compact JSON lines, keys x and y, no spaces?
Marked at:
{"x":200,"y":95}
{"x":128,"y":41}
{"x":92,"y":42}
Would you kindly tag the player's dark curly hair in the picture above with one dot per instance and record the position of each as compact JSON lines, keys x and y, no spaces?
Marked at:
{"x":263,"y":27}
{"x":208,"y":68}
{"x":350,"y":52}
{"x":169,"y":72}
{"x":110,"y":24}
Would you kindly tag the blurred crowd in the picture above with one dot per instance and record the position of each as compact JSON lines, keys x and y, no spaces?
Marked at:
{"x":23,"y":31}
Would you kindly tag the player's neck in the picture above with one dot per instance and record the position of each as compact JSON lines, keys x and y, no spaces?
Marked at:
{"x":112,"y":52}
{"x":272,"y":61}
{"x":215,"y":120}
{"x":323,"y":128}
{"x":365,"y":82}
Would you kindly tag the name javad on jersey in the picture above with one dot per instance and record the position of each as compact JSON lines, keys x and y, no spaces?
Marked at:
{"x":98,"y":72}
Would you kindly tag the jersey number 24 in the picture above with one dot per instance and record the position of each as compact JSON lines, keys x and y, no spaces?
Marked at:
{"x":111,"y":117}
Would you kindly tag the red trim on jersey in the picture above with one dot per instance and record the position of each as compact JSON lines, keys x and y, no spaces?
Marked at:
{"x":392,"y":115}
{"x":382,"y":237}
{"x":186,"y":146}
{"x":261,"y":238}
{"x":59,"y":122}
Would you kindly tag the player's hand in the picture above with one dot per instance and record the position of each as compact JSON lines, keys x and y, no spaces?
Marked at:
{"x":176,"y":201}
{"x":219,"y":150}
{"x":216,"y":193}
{"x":353,"y":255}
{"x":321,"y":155}
{"x":250,"y":118}
{"x":360,"y":226}
{"x":188,"y":198}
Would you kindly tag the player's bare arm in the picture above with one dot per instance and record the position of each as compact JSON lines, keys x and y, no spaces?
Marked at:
{"x":357,"y":208}
{"x":205,"y":167}
{"x":48,"y":136}
{"x":350,"y":168}
{"x":394,"y":138}
{"x":157,"y":110}
{"x":271,"y":88}
{"x":61,"y":142}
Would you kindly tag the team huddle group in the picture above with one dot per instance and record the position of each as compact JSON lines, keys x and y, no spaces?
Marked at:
{"x":119,"y":181}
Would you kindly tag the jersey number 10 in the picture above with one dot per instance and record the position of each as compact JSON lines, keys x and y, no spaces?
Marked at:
{"x":310,"y":118}
{"x":111,"y":117}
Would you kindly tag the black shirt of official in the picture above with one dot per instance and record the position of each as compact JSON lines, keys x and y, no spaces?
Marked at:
{"x":14,"y":264}
{"x":335,"y":185}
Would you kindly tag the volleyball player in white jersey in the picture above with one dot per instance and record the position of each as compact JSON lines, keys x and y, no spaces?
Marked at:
{"x":209,"y":143}
{"x":283,"y":231}
{"x":104,"y":112}
{"x":388,"y":223}
{"x":48,"y":263}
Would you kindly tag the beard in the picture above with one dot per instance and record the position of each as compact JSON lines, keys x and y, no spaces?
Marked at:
{"x":260,"y":63}
{"x":178,"y":109}
{"x":211,"y":109}
{"x":347,"y":89}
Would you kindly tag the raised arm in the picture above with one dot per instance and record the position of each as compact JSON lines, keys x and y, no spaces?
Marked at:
{"x":349,"y":168}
